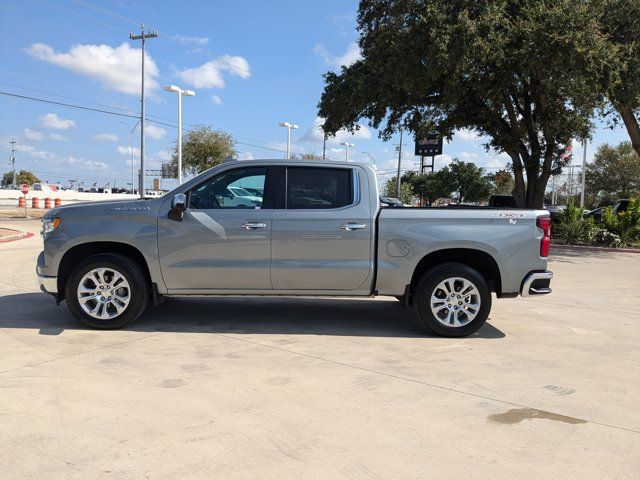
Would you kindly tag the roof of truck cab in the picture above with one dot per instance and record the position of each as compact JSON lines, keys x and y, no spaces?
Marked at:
{"x":295,"y":162}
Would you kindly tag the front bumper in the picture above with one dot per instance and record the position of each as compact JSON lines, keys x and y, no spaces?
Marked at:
{"x":48,"y":284}
{"x":536,"y":283}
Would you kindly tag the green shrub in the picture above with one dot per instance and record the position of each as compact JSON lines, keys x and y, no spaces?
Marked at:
{"x":624,"y":225}
{"x":572,"y":228}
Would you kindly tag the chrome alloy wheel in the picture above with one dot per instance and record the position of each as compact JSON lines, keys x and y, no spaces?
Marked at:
{"x":455,"y":302}
{"x":104,"y":293}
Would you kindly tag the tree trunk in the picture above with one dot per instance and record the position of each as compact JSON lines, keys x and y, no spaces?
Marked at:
{"x":519,"y":189}
{"x":631,"y":123}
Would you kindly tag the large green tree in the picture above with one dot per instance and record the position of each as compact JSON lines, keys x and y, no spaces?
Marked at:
{"x":503,"y":182}
{"x":620,"y":77}
{"x":614,"y":172}
{"x":406,"y":191}
{"x":499,"y":68}
{"x":202,"y":148}
{"x":467,"y":181}
{"x":23,"y":176}
{"x":430,"y":186}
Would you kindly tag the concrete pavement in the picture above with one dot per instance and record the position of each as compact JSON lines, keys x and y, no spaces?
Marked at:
{"x":324,"y":388}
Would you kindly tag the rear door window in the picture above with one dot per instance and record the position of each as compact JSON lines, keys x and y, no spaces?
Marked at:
{"x":319,"y":188}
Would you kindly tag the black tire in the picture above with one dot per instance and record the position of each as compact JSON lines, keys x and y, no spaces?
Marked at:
{"x":139,"y":289}
{"x":427,"y":286}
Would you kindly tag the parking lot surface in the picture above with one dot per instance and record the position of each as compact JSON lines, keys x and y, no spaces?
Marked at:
{"x":324,"y":388}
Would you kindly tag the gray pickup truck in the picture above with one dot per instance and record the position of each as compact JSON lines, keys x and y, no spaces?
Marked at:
{"x":275,"y":227}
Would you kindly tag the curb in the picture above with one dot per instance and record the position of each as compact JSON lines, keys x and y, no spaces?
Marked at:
{"x":585,"y":248}
{"x":18,"y":236}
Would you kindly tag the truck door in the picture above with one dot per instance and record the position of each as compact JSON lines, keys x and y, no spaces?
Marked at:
{"x":223,"y":241}
{"x":322,"y":239}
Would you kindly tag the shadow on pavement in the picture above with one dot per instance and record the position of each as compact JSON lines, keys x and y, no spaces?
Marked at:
{"x":240,"y":315}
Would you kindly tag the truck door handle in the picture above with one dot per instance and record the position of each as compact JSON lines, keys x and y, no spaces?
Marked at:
{"x":253,"y":225}
{"x":353,"y":226}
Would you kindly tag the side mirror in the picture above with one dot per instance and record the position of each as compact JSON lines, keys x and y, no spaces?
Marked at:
{"x":178,"y":207}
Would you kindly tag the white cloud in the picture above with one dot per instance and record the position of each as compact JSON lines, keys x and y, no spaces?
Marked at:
{"x":88,"y":164}
{"x":245,"y":156}
{"x":127,"y":150}
{"x":32,"y":134}
{"x":58,"y":137}
{"x":154,"y":132}
{"x":108,"y":137}
{"x":164,"y":155}
{"x":186,"y":40}
{"x":349,"y":57}
{"x":51,"y":120}
{"x":24,"y":148}
{"x":216,"y":100}
{"x":314,"y":134}
{"x":42,"y":154}
{"x":116,"y":68}
{"x":466,"y":135}
{"x":210,"y":74}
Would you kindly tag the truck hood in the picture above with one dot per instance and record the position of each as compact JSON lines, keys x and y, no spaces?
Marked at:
{"x":104,"y":207}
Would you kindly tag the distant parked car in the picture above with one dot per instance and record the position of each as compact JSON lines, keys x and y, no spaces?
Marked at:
{"x":554,"y":210}
{"x":620,"y":206}
{"x":502,"y":201}
{"x":390,"y":202}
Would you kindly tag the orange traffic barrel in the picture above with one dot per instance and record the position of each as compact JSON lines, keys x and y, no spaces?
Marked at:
{"x":21,"y":202}
{"x":57,"y":202}
{"x":35,"y":202}
{"x":47,"y":202}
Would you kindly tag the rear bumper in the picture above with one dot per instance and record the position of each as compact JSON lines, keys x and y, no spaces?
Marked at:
{"x":536,"y":283}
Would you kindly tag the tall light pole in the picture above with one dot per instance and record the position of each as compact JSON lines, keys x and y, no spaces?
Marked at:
{"x":133,"y":161}
{"x":288,"y":126}
{"x":399,"y":161}
{"x":346,"y":146}
{"x":143,"y":36}
{"x":584,"y":170}
{"x":181,"y":93}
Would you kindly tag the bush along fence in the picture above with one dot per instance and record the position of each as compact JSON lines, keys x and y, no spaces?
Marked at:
{"x":620,"y":230}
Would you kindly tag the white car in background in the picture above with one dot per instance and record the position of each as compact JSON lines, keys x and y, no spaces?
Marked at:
{"x":238,"y":197}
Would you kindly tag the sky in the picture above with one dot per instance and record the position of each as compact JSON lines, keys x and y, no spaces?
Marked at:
{"x":252,"y":65}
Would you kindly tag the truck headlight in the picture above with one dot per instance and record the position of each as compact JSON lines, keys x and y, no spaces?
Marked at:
{"x":50,"y":224}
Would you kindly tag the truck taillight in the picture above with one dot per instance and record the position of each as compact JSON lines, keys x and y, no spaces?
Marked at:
{"x":544,"y":223}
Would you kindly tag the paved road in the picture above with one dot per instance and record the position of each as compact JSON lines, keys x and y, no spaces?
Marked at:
{"x":324,"y":388}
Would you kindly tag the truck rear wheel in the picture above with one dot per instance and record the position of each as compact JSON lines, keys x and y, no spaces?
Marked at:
{"x":452,"y":300}
{"x":107,"y":291}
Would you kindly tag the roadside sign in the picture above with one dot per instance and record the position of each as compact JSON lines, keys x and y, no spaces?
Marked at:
{"x":428,"y":145}
{"x":24,"y":188}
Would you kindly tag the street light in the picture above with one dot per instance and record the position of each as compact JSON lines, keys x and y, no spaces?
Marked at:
{"x":133,"y":161}
{"x":289,"y":126}
{"x":346,"y":146}
{"x":181,"y":93}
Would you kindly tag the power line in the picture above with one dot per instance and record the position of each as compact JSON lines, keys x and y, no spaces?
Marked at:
{"x":80,"y":16}
{"x":106,"y":12}
{"x":68,"y":105}
{"x":80,"y":107}
{"x":68,"y":98}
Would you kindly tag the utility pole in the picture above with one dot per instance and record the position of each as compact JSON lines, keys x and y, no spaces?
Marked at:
{"x":324,"y":145}
{"x":584,"y":169}
{"x":13,"y":160}
{"x":399,"y":159}
{"x":143,"y":36}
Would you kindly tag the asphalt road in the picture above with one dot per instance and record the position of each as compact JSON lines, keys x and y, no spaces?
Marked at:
{"x":324,"y":388}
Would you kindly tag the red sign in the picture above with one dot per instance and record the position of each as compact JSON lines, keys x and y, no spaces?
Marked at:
{"x":24,"y":188}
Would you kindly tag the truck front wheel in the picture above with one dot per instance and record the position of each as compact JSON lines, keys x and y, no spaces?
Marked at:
{"x":452,"y":300}
{"x":107,"y":291}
